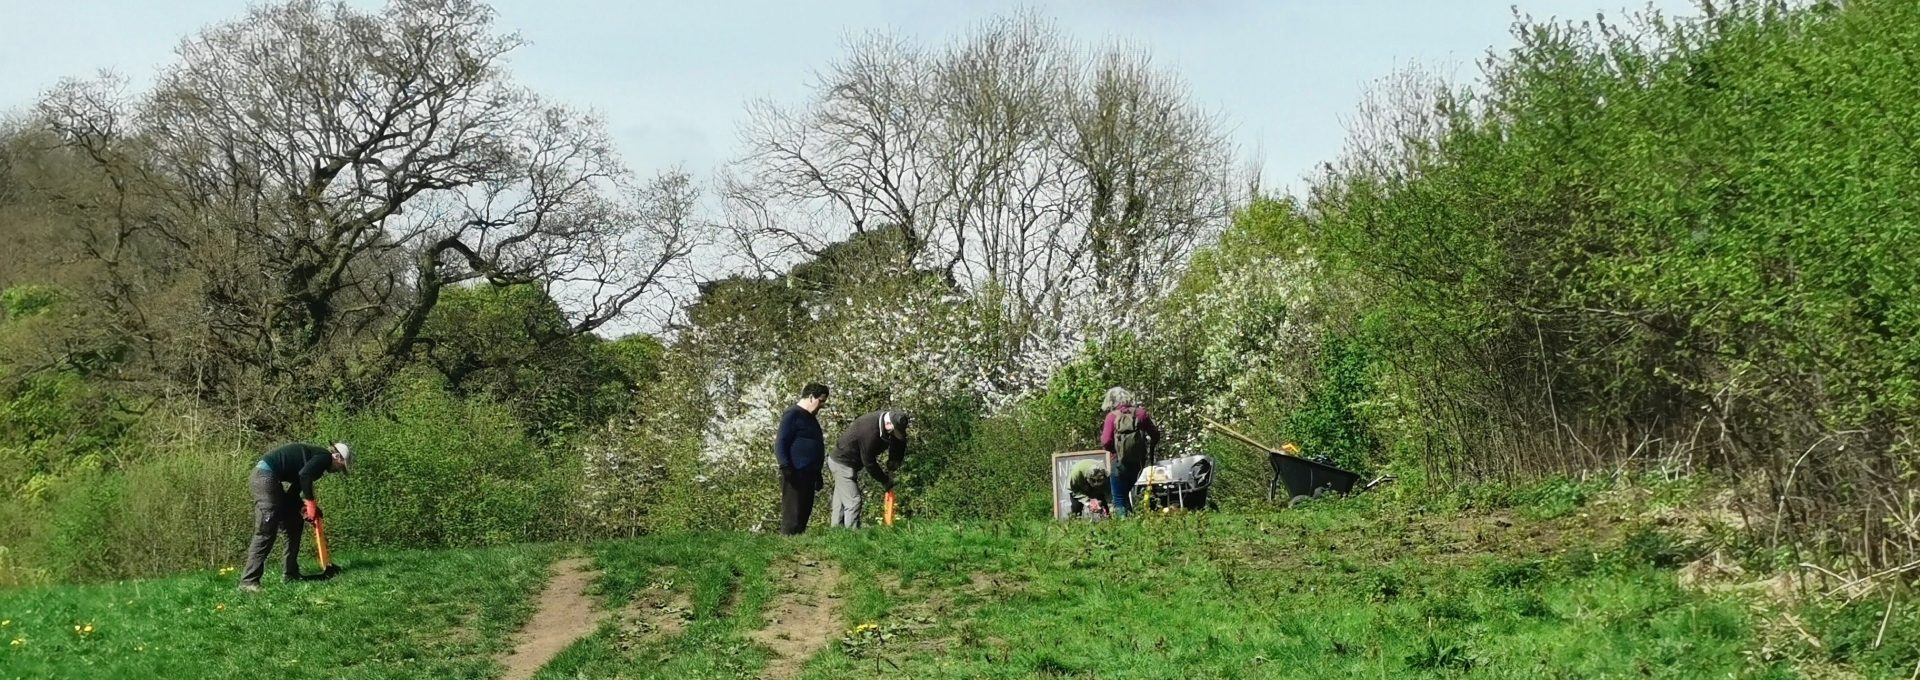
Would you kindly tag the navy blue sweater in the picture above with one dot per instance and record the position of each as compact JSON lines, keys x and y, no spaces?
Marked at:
{"x":800,"y":444}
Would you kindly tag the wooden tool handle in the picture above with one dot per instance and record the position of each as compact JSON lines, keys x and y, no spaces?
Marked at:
{"x":1228,"y":431}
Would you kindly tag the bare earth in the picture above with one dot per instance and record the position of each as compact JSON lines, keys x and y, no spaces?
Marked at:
{"x":565,"y":614}
{"x":802,"y":619}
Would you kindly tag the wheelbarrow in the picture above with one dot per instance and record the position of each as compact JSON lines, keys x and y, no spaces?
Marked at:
{"x":1182,"y":482}
{"x":1303,"y":477}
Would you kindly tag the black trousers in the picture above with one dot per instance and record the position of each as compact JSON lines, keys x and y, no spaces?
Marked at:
{"x":797,"y":490}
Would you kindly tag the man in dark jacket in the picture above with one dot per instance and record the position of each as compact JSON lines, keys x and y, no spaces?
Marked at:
{"x":280,"y":481}
{"x":800,"y":449}
{"x":859,"y":450}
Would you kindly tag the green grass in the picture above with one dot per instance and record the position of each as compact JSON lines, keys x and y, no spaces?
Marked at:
{"x":394,"y":615}
{"x":1330,"y":591}
{"x":1340,"y":589}
{"x":1362,"y":587}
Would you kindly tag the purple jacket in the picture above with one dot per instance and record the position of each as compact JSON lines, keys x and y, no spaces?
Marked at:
{"x":1141,"y":420}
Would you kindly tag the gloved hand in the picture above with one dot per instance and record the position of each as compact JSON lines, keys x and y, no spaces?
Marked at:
{"x":311,"y":512}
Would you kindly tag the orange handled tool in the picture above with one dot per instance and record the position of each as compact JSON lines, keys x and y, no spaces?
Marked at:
{"x":327,"y":568}
{"x":888,"y":516}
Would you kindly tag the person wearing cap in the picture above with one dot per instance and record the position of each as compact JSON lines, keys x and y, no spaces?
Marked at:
{"x":281,"y":481}
{"x":859,"y":451}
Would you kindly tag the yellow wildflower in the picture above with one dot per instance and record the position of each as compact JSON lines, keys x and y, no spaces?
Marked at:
{"x":19,"y":642}
{"x":226,"y":570}
{"x":220,"y":607}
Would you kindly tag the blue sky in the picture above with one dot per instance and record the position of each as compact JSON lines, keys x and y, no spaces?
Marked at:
{"x":671,"y":78}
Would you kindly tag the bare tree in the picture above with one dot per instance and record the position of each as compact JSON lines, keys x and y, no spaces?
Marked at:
{"x":858,"y":158}
{"x":1066,"y":184}
{"x":1156,"y":169}
{"x":324,"y":174}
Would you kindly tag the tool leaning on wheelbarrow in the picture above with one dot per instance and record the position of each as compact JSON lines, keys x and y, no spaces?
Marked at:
{"x":1305,"y":478}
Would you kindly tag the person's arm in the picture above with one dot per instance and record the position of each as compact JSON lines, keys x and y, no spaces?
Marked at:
{"x":311,"y":472}
{"x":1106,"y":433}
{"x":783,"y":441}
{"x":1153,"y":430}
{"x":896,"y":454}
{"x":870,"y":459}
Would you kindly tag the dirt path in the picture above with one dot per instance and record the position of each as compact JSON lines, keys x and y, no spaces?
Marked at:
{"x":802,"y":619}
{"x":565,"y":614}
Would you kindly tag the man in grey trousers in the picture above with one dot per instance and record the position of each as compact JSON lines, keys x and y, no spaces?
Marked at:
{"x":859,"y":451}
{"x":279,"y":482}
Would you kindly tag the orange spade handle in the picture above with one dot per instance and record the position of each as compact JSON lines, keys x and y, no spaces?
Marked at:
{"x":889,"y":512}
{"x":320,"y":542}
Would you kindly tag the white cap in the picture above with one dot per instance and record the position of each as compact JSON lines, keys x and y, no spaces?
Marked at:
{"x":345,"y":454}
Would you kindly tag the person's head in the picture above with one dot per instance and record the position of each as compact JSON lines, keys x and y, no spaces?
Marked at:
{"x":342,"y":457}
{"x":893,"y":424}
{"x":813,"y":397}
{"x":1118,"y":397}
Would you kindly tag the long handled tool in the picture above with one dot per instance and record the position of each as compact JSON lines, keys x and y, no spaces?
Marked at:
{"x":888,"y":515}
{"x":327,"y":568}
{"x":1285,"y":450}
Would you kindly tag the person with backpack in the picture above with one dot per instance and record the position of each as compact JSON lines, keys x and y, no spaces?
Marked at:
{"x":859,"y":450}
{"x":800,"y":448}
{"x":280,"y":482}
{"x":1127,"y":435}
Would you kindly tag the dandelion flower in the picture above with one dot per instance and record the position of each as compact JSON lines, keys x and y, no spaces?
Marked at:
{"x":19,"y":642}
{"x":220,"y":607}
{"x":226,"y":570}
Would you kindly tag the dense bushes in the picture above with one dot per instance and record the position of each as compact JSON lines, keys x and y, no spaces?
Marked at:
{"x":440,"y":471}
{"x":1664,"y":241}
{"x":100,"y":489}
{"x":181,"y":502}
{"x":434,"y":470}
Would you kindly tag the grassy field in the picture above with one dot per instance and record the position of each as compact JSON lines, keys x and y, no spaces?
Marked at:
{"x":407,"y":614}
{"x":1349,"y":588}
